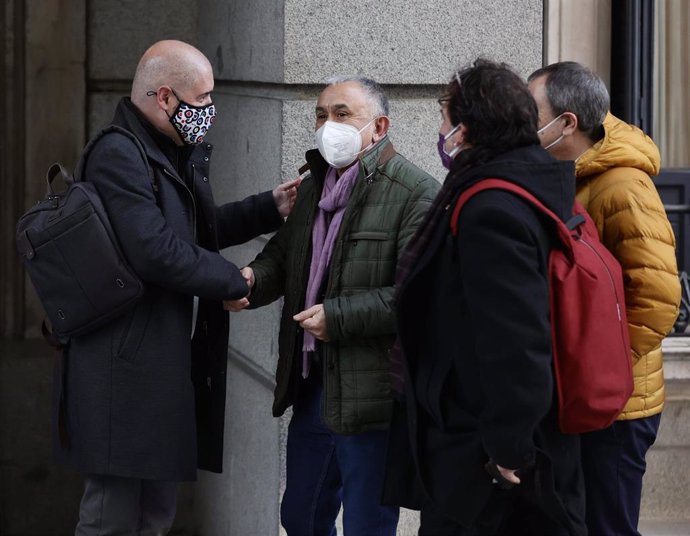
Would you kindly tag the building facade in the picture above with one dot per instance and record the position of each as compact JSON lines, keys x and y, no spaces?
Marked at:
{"x":67,"y":62}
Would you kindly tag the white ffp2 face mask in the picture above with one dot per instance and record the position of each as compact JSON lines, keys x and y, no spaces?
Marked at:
{"x":545,"y":127}
{"x":340,"y":143}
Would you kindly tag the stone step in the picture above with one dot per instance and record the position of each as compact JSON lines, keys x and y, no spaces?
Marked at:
{"x":666,"y":491}
{"x":676,"y":358}
{"x":661,"y":527}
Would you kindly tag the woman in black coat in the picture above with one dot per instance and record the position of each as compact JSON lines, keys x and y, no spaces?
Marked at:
{"x":479,"y":410}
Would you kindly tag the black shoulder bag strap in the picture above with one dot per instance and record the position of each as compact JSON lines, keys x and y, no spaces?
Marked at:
{"x":81,"y":165}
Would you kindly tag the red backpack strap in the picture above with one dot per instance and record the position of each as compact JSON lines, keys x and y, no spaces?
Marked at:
{"x":497,"y":184}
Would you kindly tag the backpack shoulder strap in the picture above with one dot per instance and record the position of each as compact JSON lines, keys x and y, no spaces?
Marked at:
{"x":501,"y":184}
{"x":81,"y":165}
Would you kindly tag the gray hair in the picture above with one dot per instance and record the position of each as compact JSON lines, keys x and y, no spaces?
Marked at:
{"x":571,"y":87}
{"x":374,"y":91}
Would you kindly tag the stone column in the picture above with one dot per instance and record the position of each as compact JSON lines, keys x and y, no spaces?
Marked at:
{"x":579,"y":30}
{"x":270,"y":58}
{"x":42,"y":98}
{"x":42,"y":104}
{"x":12,"y":49}
{"x":55,"y":95}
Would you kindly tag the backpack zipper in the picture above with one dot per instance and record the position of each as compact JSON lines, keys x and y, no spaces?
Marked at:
{"x":613,"y":285}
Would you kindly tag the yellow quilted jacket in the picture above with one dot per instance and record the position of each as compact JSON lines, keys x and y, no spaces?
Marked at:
{"x":614,"y":185}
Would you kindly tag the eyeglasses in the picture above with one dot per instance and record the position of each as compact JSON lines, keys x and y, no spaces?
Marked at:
{"x":443,"y":101}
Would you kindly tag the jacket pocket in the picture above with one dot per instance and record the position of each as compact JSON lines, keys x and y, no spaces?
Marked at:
{"x":126,"y":346}
{"x":368,"y":235}
{"x":368,"y":255}
{"x":433,"y":379}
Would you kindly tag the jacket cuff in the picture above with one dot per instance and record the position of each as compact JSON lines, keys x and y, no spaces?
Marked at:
{"x":273,"y":218}
{"x":332,"y":327}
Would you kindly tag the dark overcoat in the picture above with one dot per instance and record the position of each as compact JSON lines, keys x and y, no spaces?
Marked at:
{"x":142,"y":399}
{"x":473,"y":321}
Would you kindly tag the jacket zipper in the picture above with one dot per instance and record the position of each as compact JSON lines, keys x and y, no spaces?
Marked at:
{"x":191,"y":197}
{"x":613,"y":285}
{"x":350,"y":213}
{"x":324,"y":355}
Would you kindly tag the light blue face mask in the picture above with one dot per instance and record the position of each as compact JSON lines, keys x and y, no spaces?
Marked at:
{"x":542,"y":129}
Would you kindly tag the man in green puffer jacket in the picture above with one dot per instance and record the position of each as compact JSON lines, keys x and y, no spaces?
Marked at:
{"x":334,"y":262}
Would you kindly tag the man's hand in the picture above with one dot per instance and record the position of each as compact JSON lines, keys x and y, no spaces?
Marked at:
{"x":248,"y":275}
{"x":284,"y":195}
{"x":508,"y":474}
{"x":242,"y":303}
{"x":502,"y":477}
{"x":235,"y":305}
{"x":313,"y":320}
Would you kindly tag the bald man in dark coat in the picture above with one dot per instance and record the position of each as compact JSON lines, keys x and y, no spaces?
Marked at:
{"x":143,"y":398}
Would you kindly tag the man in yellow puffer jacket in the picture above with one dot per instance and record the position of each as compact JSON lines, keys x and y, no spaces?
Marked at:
{"x":613,"y":165}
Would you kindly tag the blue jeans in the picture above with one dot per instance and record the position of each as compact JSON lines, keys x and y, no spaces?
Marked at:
{"x":325,"y":469}
{"x":613,"y":462}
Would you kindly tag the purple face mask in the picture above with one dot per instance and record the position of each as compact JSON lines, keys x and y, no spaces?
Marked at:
{"x":447,"y":158}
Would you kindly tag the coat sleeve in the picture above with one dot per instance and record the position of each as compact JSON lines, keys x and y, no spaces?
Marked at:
{"x":371,"y":313}
{"x":503,"y":264}
{"x":270,"y":266}
{"x":635,"y":228}
{"x":154,"y":251}
{"x":240,"y":221}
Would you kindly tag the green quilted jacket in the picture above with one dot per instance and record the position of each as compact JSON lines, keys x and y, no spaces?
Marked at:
{"x":386,"y":206}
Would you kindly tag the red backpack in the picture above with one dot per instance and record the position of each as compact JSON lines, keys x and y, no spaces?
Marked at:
{"x":591,"y":348}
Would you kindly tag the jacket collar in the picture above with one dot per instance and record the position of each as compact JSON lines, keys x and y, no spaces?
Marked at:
{"x":374,"y":159}
{"x":623,"y":145}
{"x":531,"y":167}
{"x":377,"y":157}
{"x":126,"y":116}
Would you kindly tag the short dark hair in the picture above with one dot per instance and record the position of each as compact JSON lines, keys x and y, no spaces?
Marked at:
{"x":494,"y":104}
{"x":572,"y":87}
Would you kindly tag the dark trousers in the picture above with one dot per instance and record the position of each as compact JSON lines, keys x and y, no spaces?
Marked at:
{"x":116,"y":506}
{"x":506,"y":514}
{"x":326,"y":469}
{"x":613,"y":461}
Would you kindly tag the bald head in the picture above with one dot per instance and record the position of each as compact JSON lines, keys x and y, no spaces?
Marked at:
{"x":168,"y":63}
{"x":171,"y":72}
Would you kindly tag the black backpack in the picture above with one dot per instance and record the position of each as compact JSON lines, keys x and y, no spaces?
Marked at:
{"x":72,"y":255}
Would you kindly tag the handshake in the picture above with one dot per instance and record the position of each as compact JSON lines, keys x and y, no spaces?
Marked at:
{"x":284,"y":196}
{"x":312,"y":319}
{"x":242,"y":303}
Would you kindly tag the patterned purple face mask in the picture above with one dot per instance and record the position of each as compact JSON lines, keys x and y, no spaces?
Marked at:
{"x":192,"y":122}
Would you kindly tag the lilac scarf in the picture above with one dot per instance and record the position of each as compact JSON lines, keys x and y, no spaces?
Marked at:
{"x":334,"y":197}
